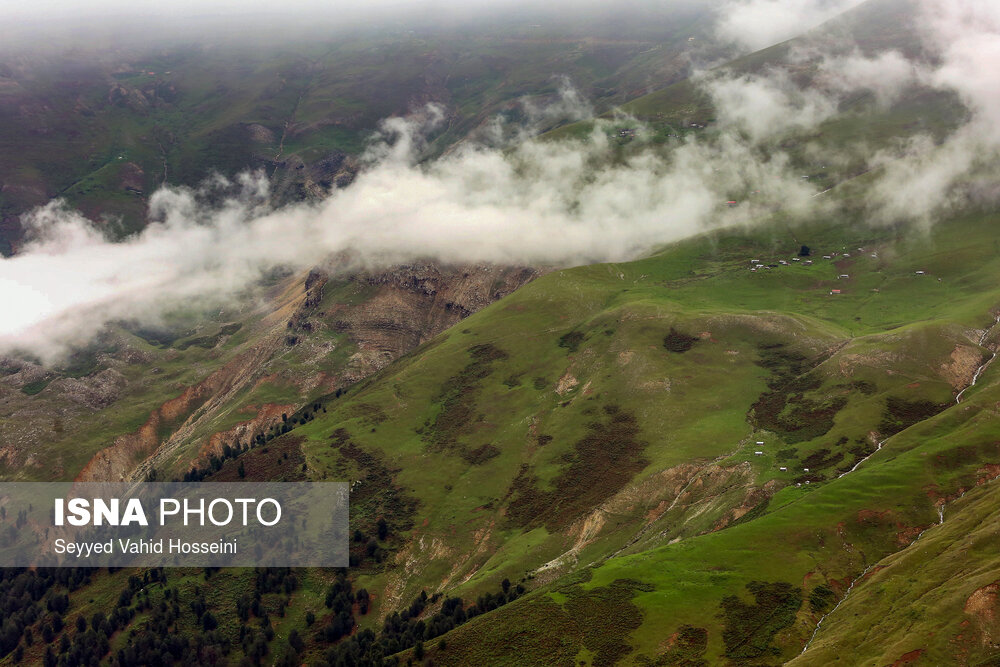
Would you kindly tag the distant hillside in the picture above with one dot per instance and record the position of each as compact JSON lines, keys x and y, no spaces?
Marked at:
{"x":104,"y":128}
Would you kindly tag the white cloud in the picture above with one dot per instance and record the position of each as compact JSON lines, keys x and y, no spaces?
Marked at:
{"x":886,"y":75}
{"x":756,"y":24}
{"x":537,"y":202}
{"x":929,"y":178}
{"x":540,"y":202}
{"x":767,"y":105}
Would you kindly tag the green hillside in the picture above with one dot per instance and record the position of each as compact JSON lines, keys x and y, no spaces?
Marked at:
{"x":591,"y":438}
{"x":612,"y":409}
{"x":774,"y":442}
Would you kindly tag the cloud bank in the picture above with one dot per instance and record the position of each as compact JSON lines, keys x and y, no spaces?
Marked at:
{"x":538,"y":202}
{"x":528,"y":202}
{"x":755,"y":24}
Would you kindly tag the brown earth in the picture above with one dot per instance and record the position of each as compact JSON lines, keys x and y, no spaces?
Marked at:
{"x":982,"y":607}
{"x":408,"y":305}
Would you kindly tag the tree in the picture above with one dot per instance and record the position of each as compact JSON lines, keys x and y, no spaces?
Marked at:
{"x":418,"y":650}
{"x":383,"y":529}
{"x":241,"y":471}
{"x":804,"y":251}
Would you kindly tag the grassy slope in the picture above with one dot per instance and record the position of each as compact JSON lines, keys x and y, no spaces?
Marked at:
{"x":690,"y":408}
{"x":809,"y":535}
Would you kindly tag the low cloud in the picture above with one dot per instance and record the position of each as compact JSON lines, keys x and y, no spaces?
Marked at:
{"x":925,"y":178}
{"x":540,"y":202}
{"x":886,"y":75}
{"x":519,"y":200}
{"x":755,"y":24}
{"x":769,"y":105}
{"x":920,"y":178}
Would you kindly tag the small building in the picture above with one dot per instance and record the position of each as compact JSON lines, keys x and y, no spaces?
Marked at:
{"x":783,"y":469}
{"x":758,"y":453}
{"x":731,"y":203}
{"x":760,"y":442}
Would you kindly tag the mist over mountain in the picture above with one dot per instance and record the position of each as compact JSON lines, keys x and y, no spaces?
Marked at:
{"x":520,"y":200}
{"x":661,"y":333}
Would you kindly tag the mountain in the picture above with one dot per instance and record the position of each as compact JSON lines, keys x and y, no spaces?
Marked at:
{"x":772,"y":442}
{"x":103,"y":128}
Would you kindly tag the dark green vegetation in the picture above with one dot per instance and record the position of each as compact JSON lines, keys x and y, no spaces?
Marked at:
{"x":678,"y":342}
{"x":784,"y":408}
{"x":749,"y":628}
{"x":611,"y":446}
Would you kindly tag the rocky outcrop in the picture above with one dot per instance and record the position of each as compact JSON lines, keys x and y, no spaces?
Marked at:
{"x":175,"y":418}
{"x":414,"y":303}
{"x":268,"y":416}
{"x":403,"y":307}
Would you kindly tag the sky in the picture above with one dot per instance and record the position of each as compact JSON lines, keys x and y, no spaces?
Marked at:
{"x":333,"y":9}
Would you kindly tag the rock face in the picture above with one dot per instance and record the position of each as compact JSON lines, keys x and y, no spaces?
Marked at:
{"x":115,"y":463}
{"x":401,"y":308}
{"x":412,"y":304}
